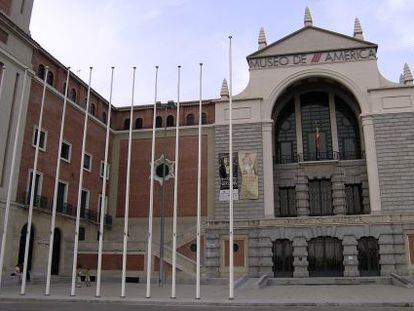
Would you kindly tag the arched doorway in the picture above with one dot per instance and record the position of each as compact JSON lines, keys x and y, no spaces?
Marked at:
{"x":368,"y":257}
{"x":282,"y":258}
{"x":56,"y":252}
{"x":22,"y":246}
{"x":325,"y":257}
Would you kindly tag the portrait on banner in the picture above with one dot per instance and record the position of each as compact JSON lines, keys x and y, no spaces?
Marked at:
{"x":248,"y":169}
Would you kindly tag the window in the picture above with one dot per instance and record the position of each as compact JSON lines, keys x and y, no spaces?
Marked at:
{"x":43,"y":139}
{"x":285,"y":152}
{"x":104,"y":119}
{"x":73,"y":95}
{"x":138,"y":123}
{"x":320,"y":197}
{"x":170,"y":120}
{"x":126,"y":124}
{"x":81,"y":236}
{"x":84,"y":202}
{"x":354,"y":199}
{"x":102,"y":168}
{"x":61,"y":196}
{"x":65,"y":153}
{"x":41,"y":71}
{"x":87,"y":162}
{"x":100,"y":201}
{"x":190,"y":119}
{"x":203,"y":118}
{"x":368,"y":257}
{"x":287,"y":202}
{"x":286,"y":135}
{"x":158,"y":121}
{"x":50,"y":78}
{"x":37,"y":189}
{"x":92,"y":109}
{"x":64,"y":88}
{"x":282,"y":258}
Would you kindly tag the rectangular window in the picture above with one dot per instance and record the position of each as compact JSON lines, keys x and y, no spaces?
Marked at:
{"x":320,"y":197}
{"x":102,"y":168}
{"x":66,"y":151}
{"x":81,"y":236}
{"x":84,"y":203}
{"x":287,"y":202}
{"x":99,"y":207}
{"x":87,"y":164}
{"x":286,"y":152}
{"x":43,"y":139}
{"x":37,"y":189}
{"x":354,"y":199}
{"x":61,"y":196}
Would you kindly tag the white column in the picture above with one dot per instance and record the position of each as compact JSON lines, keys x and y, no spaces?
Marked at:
{"x":372,"y":164}
{"x":334,"y":128}
{"x":269,"y":201}
{"x":298,"y":122}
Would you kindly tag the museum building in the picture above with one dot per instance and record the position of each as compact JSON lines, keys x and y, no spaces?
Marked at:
{"x":323,"y":164}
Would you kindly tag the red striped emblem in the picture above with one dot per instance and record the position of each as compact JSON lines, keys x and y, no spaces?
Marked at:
{"x":316,"y":58}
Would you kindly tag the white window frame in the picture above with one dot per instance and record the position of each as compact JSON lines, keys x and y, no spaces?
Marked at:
{"x":90,"y":162}
{"x":65,"y":197}
{"x":70,"y":152}
{"x":33,"y":139}
{"x":106,"y":206}
{"x":88,"y":198}
{"x":102,"y":168}
{"x":40,"y":182}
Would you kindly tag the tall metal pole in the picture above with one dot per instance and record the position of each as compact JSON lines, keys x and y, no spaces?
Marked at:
{"x":78,"y":206}
{"x":161,"y":280}
{"x":151,"y":207}
{"x":103,"y":200}
{"x":55,"y":191}
{"x":200,"y":112}
{"x":128,"y":178}
{"x":11,"y":175}
{"x":33,"y":186}
{"x":231,"y":254}
{"x":176,"y":157}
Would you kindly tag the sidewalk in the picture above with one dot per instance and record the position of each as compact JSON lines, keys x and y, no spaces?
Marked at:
{"x":306,"y":295}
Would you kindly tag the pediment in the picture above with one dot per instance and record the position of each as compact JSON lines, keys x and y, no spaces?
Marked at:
{"x":311,"y":39}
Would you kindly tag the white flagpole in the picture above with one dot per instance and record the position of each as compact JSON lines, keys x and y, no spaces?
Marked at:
{"x":174,"y":250}
{"x":199,"y":185}
{"x":9,"y":190}
{"x":103,"y":196}
{"x":33,"y":186}
{"x":231,"y":257}
{"x":128,"y":174}
{"x":55,"y":192}
{"x":78,"y":206}
{"x":151,"y":207}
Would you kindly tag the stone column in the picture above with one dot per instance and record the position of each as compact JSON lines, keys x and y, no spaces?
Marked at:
{"x":399,"y":255}
{"x":300,"y":258}
{"x":386,"y":252}
{"x":350,"y":244}
{"x":212,"y":256}
{"x":338,"y":193}
{"x":302,"y":194}
{"x":269,"y":201}
{"x":334,"y":128}
{"x":298,"y":122}
{"x":372,"y":165}
{"x":260,"y":254}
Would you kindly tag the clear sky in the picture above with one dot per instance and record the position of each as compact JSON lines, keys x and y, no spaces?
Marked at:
{"x":126,"y":33}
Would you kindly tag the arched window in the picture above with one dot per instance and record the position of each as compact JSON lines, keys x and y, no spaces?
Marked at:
{"x":126,"y":124}
{"x":64,"y":88}
{"x":92,"y":109}
{"x":104,"y":117}
{"x":41,"y":71}
{"x":50,"y":78}
{"x":204,"y":118}
{"x":286,"y":135}
{"x":325,"y":257}
{"x":73,"y":95}
{"x":170,"y":120}
{"x":190,"y":119}
{"x":158,"y":121}
{"x":138,"y":123}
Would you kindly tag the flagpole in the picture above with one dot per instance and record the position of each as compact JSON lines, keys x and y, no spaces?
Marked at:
{"x":231,"y":257}
{"x":199,"y":186}
{"x":55,"y":192}
{"x":11,"y":175}
{"x":78,"y":206}
{"x":151,"y":207}
{"x":103,"y":196}
{"x":174,"y":250}
{"x":128,"y":174}
{"x":33,"y":186}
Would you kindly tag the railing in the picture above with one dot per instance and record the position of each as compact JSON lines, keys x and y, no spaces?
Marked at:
{"x":39,"y":201}
{"x":318,"y":156}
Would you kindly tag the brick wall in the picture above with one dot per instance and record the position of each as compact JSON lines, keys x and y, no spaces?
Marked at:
{"x":5,"y":6}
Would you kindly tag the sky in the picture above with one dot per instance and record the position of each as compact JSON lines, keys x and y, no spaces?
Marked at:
{"x":167,"y":33}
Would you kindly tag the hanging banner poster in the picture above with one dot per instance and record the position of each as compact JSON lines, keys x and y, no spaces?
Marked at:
{"x":224,"y":173}
{"x":248,"y":169}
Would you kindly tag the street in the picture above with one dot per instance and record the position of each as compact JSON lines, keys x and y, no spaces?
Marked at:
{"x":94,"y":306}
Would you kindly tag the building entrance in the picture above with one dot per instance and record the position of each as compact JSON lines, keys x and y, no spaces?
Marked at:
{"x":325,"y":257}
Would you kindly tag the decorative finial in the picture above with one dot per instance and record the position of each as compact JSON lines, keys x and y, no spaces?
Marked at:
{"x":408,"y":77}
{"x":308,"y":18}
{"x":401,"y":79}
{"x":262,"y":39}
{"x":358,"y":34}
{"x":224,"y":92}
